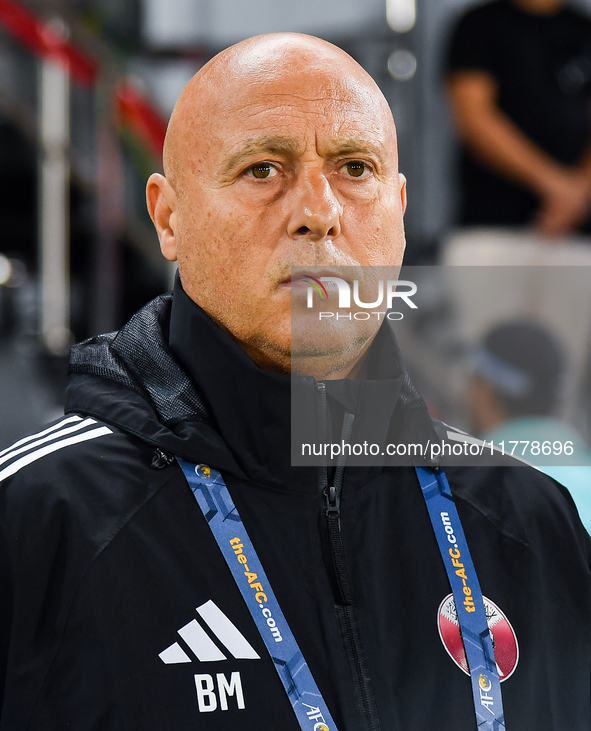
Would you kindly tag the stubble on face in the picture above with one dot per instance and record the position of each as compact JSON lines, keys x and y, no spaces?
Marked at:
{"x":303,"y":111}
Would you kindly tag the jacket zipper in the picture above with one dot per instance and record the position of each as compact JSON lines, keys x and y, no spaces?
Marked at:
{"x":344,"y":600}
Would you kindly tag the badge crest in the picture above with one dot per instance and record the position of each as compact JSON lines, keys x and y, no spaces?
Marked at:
{"x":504,"y":638}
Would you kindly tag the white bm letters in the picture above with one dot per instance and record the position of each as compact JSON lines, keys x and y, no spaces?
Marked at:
{"x":207,"y":699}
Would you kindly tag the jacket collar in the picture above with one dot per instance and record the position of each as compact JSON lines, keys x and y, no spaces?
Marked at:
{"x":172,"y":377}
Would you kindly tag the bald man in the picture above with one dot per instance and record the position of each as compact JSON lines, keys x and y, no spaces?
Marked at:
{"x":163,"y":565}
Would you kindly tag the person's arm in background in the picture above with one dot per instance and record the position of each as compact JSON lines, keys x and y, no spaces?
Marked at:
{"x":565,"y":193}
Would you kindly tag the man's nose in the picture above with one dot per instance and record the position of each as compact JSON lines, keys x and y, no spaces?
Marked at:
{"x":317,"y":212}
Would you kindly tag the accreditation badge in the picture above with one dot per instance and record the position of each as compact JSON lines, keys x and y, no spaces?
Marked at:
{"x":503,"y":636}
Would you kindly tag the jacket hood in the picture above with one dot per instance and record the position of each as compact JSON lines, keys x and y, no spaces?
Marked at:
{"x":130,"y":379}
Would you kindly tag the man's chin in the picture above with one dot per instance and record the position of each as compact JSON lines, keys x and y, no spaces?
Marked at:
{"x":332,"y":355}
{"x":327,"y":334}
{"x":305,"y":344}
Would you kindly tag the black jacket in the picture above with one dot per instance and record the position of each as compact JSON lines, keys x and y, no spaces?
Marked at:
{"x":105,"y":557}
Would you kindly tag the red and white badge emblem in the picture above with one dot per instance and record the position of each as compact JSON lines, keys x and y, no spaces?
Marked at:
{"x":503,"y":635}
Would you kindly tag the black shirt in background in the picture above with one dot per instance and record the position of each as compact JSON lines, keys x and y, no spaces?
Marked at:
{"x":542,"y":67}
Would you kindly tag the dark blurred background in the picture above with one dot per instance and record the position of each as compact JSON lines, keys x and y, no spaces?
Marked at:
{"x":86,"y":87}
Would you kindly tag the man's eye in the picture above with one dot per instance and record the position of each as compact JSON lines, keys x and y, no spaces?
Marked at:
{"x":356,"y":169}
{"x":263,"y":170}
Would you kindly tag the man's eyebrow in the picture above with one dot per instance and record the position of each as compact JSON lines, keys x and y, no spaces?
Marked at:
{"x":353,"y":147}
{"x":271,"y":144}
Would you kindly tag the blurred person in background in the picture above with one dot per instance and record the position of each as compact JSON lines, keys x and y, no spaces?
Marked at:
{"x":519,"y":81}
{"x":514,"y":395}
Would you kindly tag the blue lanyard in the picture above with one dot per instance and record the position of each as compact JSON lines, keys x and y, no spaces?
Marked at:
{"x":311,"y":711}
{"x":219,"y":510}
{"x":486,"y":686}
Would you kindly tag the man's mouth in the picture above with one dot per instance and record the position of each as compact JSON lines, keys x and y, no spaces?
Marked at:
{"x":305,"y":279}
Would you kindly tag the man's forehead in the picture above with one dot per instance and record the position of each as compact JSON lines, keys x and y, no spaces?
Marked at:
{"x":280,"y":107}
{"x":315,"y":91}
{"x":288,"y":123}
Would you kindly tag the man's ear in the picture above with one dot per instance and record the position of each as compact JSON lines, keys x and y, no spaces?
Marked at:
{"x":402,"y":191}
{"x":162,"y":205}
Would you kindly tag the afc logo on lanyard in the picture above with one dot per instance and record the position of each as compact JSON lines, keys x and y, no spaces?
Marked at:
{"x":502,"y":633}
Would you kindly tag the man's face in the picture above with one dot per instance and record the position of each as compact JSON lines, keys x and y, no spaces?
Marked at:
{"x":299,"y":169}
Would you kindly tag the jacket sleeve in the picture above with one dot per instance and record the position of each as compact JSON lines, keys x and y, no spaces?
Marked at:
{"x":5,"y":611}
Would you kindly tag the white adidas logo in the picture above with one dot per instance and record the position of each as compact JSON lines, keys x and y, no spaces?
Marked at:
{"x":201,"y":643}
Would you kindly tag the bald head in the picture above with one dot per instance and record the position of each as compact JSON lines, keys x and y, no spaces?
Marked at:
{"x":244,"y":73}
{"x":281,"y":153}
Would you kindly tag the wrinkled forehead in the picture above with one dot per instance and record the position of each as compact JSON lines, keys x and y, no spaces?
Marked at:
{"x":327,"y":110}
{"x":307,"y":96}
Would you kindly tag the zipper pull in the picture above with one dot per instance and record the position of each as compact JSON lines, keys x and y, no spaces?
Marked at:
{"x":332,"y":500}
